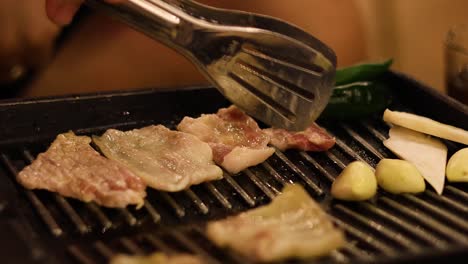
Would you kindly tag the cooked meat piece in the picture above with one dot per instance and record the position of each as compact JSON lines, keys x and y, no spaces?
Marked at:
{"x":314,"y":138}
{"x":235,"y":138}
{"x":165,"y":160}
{"x":157,"y":258}
{"x":291,"y":226}
{"x":73,"y":168}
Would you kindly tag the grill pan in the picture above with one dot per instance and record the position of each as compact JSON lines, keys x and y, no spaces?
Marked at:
{"x":43,"y":227}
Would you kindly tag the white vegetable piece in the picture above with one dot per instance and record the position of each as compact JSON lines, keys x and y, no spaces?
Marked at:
{"x":355,"y":183}
{"x":399,"y":176}
{"x":428,"y":154}
{"x":426,"y":125}
{"x":457,"y":167}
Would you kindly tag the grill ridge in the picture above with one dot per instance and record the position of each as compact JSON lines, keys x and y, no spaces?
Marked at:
{"x":415,"y":232}
{"x":102,"y":218}
{"x":198,"y":202}
{"x":223,"y":200}
{"x":267,"y":189}
{"x":318,"y":191}
{"x":42,"y":211}
{"x":379,"y":227}
{"x":426,"y":220}
{"x":362,"y":237}
{"x":247,"y":198}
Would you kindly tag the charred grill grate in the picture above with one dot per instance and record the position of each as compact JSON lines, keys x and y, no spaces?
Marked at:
{"x":387,"y":228}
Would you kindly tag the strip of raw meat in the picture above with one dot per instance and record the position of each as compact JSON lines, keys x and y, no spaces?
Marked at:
{"x":73,"y":168}
{"x":291,"y":226}
{"x":313,"y":138}
{"x":157,"y":258}
{"x":165,"y":160}
{"x":235,"y":138}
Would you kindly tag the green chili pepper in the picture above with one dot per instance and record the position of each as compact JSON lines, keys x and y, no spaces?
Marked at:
{"x":357,"y":100}
{"x":358,"y":92}
{"x":361,"y":72}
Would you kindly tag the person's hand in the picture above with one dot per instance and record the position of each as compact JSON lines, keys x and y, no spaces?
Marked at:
{"x":26,"y":38}
{"x":61,"y":12}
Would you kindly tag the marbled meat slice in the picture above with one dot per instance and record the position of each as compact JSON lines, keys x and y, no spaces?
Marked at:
{"x":72,"y":168}
{"x":157,"y":258}
{"x":235,"y":138}
{"x":313,"y":138}
{"x":291,"y":226}
{"x":165,"y":160}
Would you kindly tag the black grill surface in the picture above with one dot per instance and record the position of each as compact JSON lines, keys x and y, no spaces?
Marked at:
{"x":43,"y":227}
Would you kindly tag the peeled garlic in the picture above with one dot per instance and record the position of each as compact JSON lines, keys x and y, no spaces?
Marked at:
{"x":355,"y":183}
{"x":399,"y":176}
{"x":427,"y":154}
{"x":457,"y":167}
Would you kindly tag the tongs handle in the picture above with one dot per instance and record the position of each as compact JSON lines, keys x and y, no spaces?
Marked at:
{"x":156,"y":18}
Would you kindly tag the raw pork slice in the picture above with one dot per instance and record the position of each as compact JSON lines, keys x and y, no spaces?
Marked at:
{"x":235,"y":138}
{"x":313,"y":138}
{"x":291,"y":226}
{"x":165,"y":160}
{"x":157,"y":258}
{"x":73,"y":168}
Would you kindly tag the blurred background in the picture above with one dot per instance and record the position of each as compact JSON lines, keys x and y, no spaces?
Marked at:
{"x":94,"y":53}
{"x":413,"y":32}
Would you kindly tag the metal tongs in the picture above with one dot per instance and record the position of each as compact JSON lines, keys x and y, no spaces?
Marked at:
{"x":272,"y":70}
